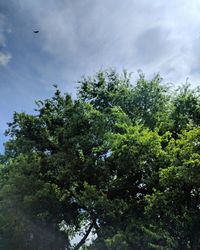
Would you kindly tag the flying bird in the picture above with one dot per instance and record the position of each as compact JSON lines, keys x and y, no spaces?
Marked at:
{"x":36,"y":31}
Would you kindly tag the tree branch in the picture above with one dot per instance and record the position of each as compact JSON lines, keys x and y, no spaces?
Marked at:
{"x":85,"y":236}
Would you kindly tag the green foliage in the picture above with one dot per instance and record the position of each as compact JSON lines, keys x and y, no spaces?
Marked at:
{"x":175,"y":204}
{"x":121,"y":162}
{"x":186,"y":105}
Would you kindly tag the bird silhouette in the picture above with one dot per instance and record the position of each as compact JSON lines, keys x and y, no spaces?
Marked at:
{"x":36,"y":31}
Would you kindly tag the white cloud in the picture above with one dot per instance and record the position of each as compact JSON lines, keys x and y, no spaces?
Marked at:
{"x":82,"y":36}
{"x":4,"y":58}
{"x":151,"y":35}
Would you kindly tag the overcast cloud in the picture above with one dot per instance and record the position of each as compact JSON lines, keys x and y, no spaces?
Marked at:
{"x":78,"y":37}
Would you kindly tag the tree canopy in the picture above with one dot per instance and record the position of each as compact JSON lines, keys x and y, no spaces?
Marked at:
{"x":120,"y":162}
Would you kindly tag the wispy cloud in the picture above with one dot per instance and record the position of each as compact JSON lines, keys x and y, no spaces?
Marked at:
{"x":2,"y":30}
{"x":4,"y":58}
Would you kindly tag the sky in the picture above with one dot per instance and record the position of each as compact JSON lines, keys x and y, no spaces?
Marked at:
{"x":78,"y":37}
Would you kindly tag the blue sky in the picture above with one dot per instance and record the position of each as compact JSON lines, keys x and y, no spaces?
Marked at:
{"x":78,"y":37}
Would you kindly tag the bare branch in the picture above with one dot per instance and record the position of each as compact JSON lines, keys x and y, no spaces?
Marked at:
{"x":85,"y":236}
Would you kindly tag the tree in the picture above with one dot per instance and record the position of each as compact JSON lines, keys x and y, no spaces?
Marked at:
{"x":113,"y":163}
